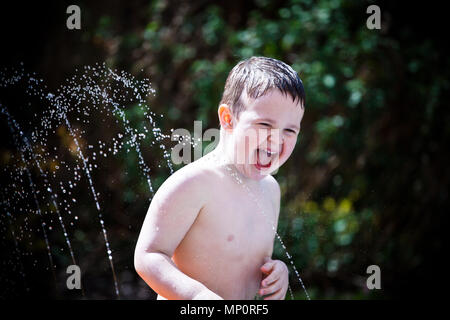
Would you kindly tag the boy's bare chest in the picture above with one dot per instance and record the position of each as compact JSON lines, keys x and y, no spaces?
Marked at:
{"x":238,"y":220}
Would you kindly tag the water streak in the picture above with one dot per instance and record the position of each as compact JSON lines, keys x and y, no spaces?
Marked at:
{"x":93,"y":88}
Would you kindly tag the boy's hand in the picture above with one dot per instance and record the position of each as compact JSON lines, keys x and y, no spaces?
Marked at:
{"x":276,"y":280}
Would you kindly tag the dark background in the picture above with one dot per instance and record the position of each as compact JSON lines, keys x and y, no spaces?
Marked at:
{"x":367,"y":184}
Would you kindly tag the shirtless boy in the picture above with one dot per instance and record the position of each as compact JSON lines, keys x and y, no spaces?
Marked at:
{"x":210,"y":228}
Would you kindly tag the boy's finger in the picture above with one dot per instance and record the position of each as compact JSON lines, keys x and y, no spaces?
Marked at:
{"x":267,"y":266}
{"x":274,"y":269}
{"x":271,"y":278}
{"x":276,"y":286}
{"x":275,"y":296}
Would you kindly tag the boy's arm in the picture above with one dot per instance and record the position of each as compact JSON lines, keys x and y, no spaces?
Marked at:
{"x":275,"y":193}
{"x":172,"y":212}
{"x":275,"y":280}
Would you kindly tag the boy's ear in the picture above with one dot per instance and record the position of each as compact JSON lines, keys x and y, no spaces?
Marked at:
{"x":225,"y":116}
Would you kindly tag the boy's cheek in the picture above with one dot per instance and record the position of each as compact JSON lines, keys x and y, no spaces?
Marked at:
{"x":287,"y":152}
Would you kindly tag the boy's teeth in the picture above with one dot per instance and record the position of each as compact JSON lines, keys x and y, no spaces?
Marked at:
{"x":269,"y":153}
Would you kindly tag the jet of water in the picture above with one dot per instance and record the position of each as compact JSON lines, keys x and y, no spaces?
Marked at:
{"x":91,"y":89}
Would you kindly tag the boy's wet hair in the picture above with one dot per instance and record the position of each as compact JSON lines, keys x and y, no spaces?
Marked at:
{"x":258,"y":75}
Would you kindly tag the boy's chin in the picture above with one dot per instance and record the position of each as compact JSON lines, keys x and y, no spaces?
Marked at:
{"x":255,"y":172}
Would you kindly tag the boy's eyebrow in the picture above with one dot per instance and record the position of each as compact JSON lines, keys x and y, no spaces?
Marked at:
{"x":291,"y":126}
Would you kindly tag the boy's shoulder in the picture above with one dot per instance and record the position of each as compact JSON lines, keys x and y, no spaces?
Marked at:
{"x":185,"y":188}
{"x":191,"y":176}
{"x":272,"y":185}
{"x":273,"y":188}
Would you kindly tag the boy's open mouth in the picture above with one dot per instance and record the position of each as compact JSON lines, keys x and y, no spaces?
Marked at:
{"x":264,"y":158}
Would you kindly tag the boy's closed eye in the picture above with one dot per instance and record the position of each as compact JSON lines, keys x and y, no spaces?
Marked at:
{"x":291,"y":131}
{"x":268,"y":125}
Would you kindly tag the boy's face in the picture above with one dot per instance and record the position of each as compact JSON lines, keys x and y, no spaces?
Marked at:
{"x":265,"y":134}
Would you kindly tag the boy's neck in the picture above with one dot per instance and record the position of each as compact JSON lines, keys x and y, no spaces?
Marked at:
{"x":221,"y":156}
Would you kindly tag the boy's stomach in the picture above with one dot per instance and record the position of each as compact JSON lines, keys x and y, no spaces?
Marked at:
{"x":229,"y":269}
{"x":230,"y":280}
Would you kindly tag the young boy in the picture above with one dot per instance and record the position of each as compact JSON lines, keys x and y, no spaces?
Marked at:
{"x":210,"y":228}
